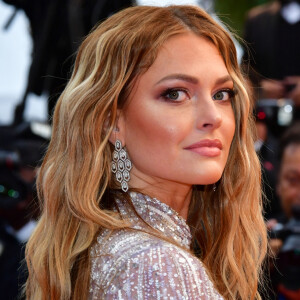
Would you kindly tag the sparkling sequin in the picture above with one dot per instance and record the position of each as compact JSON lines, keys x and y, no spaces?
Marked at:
{"x":135,"y":264}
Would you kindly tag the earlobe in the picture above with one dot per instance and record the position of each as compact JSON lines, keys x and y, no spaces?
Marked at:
{"x":118,"y":132}
{"x":114,"y":135}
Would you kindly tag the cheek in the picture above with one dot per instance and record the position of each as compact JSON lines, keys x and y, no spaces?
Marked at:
{"x":148,"y":146}
{"x":285,"y":192}
{"x":148,"y":125}
{"x":292,"y":194}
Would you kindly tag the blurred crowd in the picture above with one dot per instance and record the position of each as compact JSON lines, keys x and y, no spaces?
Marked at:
{"x":271,"y":62}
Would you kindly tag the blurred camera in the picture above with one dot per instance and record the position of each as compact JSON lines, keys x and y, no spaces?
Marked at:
{"x":12,"y":188}
{"x":277,"y":114}
{"x":21,"y":148}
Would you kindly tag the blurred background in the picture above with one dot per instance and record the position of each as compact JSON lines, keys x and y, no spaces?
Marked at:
{"x":16,"y":47}
{"x":38,"y":39}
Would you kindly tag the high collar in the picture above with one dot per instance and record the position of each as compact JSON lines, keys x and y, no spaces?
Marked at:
{"x":158,"y":215}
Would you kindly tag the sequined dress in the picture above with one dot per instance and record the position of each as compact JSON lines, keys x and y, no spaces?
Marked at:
{"x":134,"y":264}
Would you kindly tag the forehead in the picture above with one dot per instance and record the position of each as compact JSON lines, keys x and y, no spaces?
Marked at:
{"x":188,"y":53}
{"x":291,"y":157}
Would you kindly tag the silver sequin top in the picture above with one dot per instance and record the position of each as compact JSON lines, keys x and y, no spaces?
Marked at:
{"x":135,"y":264}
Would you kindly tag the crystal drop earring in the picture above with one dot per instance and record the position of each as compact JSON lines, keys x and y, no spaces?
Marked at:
{"x":121,"y":165}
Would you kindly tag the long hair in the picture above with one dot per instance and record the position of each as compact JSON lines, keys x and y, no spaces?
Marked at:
{"x":75,"y":178}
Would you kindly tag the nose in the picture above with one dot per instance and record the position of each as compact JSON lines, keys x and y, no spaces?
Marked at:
{"x":208,"y":114}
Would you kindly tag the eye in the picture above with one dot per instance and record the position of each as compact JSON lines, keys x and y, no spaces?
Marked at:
{"x":175,"y":95}
{"x":292,"y":180}
{"x":224,"y":95}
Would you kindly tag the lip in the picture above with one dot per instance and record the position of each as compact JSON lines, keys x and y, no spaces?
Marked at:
{"x":207,"y":147}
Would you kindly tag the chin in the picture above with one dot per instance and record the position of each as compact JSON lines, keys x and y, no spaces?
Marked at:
{"x":208,"y":178}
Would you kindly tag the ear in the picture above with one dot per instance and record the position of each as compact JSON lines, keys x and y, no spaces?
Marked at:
{"x":118,"y":132}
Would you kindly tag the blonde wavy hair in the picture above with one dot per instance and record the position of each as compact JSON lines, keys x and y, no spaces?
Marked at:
{"x":75,"y":184}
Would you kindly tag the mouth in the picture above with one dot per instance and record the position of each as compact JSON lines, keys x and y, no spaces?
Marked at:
{"x":207,"y":147}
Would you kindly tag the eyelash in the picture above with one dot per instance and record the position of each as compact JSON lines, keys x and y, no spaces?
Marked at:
{"x":231,"y":93}
{"x":165,"y":95}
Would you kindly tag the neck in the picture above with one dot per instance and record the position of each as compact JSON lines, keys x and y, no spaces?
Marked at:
{"x":174,"y":194}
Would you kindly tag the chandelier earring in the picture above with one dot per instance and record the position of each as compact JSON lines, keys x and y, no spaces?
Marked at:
{"x":121,"y":165}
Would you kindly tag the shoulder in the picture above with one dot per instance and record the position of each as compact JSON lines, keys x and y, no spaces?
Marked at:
{"x":137,"y":263}
{"x":125,"y":246}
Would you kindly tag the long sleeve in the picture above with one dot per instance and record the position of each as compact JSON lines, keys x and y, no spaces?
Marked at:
{"x":150,"y":269}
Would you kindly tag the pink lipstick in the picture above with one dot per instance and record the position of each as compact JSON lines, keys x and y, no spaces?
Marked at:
{"x":209,"y":148}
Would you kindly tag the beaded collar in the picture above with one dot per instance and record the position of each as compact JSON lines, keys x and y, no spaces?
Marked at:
{"x":159,"y":216}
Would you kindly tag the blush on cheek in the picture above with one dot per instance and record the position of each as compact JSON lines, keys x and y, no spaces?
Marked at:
{"x":172,"y":132}
{"x":154,"y":125}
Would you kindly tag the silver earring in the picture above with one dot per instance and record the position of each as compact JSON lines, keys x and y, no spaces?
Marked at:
{"x":214,"y":187}
{"x":121,"y":165}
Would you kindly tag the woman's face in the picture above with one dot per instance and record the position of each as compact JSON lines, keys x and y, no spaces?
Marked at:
{"x":178,"y":124}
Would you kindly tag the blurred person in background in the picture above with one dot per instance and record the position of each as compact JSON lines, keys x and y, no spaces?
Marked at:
{"x":266,"y":147}
{"x":272,"y":62}
{"x":285,"y":233}
{"x":57,"y":28}
{"x":272,"y":33}
{"x":20,"y":153}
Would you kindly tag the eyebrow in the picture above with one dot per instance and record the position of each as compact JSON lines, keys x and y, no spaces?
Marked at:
{"x":183,"y":77}
{"x":192,"y":79}
{"x":224,"y":79}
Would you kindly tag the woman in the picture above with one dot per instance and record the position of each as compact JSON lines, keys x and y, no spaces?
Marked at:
{"x":152,"y":130}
